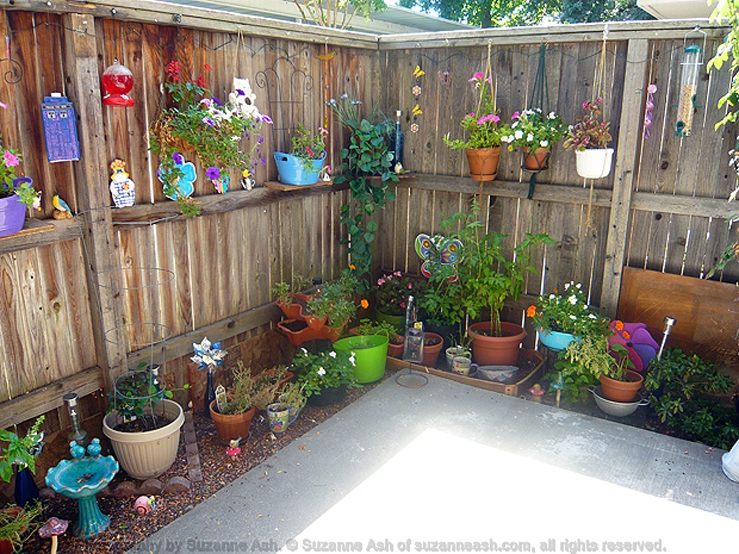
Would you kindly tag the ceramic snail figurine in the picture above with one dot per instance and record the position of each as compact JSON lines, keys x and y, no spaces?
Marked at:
{"x":144,"y":505}
{"x":121,"y":186}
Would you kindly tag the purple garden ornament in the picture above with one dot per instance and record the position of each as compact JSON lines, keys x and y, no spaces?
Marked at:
{"x":651,"y":89}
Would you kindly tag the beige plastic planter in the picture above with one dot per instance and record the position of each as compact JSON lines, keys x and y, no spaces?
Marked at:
{"x":146,"y":454}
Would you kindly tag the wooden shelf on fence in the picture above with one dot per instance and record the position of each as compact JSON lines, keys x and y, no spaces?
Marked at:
{"x":31,"y":227}
{"x":530,"y":362}
{"x":276,"y":185}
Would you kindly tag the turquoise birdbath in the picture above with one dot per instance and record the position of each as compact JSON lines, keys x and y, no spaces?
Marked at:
{"x":82,"y":477}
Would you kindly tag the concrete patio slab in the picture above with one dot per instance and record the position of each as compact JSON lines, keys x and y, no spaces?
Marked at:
{"x":449,"y":467}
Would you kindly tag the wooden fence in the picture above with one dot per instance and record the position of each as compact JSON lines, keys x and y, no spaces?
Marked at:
{"x":72,"y":290}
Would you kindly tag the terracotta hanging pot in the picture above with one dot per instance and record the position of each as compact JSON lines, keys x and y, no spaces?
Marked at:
{"x":538,"y":160}
{"x":483,"y":163}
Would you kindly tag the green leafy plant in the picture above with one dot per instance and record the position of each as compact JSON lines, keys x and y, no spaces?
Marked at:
{"x":589,"y":132}
{"x":293,"y":394}
{"x":567,"y":313}
{"x":308,"y":147}
{"x":10,"y":185}
{"x":337,"y":15}
{"x":533,"y":129}
{"x":369,"y":327}
{"x":246,"y":392}
{"x":16,"y":523}
{"x":488,"y":277}
{"x":727,"y":12}
{"x":482,"y":124}
{"x":334,"y":301}
{"x":20,"y":451}
{"x":680,"y":386}
{"x":441,"y":299}
{"x":367,"y":167}
{"x":324,"y":370}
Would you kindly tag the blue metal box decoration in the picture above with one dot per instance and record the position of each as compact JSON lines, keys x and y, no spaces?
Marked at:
{"x":60,"y":129}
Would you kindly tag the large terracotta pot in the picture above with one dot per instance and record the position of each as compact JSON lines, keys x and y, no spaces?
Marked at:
{"x":622,"y":391}
{"x":503,"y":350}
{"x":146,"y":454}
{"x":538,"y":160}
{"x":230,"y":427}
{"x":483,"y":163}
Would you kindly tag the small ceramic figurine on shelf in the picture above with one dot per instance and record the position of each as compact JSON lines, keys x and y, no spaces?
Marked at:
{"x":61,"y":208}
{"x":144,"y":505}
{"x":247,"y":182}
{"x":233,"y":447}
{"x":121,"y":186}
{"x":325,"y":174}
{"x":536,"y":393}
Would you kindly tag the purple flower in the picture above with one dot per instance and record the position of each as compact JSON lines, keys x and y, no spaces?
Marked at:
{"x":208,"y":121}
{"x":216,"y":101}
{"x":206,"y":102}
{"x":240,"y":92}
{"x":213,"y":173}
{"x":477,"y":76}
{"x":266,"y":119}
{"x":260,"y":140}
{"x":177,"y":158}
{"x":515,"y":115}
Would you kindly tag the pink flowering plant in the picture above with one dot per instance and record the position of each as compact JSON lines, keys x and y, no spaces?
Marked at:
{"x":308,"y":147}
{"x":483,"y":124}
{"x":10,"y":184}
{"x":534,"y":129}
{"x":392,"y":292}
{"x":589,"y":132}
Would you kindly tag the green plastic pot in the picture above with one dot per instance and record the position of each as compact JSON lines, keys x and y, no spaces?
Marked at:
{"x":370,"y":352}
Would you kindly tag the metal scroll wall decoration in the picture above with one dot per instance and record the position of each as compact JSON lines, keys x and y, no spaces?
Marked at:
{"x":287,"y":88}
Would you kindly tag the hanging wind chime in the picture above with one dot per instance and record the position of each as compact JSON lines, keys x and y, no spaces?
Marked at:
{"x":538,"y":160}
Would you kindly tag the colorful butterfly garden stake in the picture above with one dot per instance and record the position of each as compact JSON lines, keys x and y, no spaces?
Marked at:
{"x":437,"y":249}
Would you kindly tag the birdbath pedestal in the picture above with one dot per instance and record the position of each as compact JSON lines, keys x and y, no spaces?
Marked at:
{"x":82,"y":477}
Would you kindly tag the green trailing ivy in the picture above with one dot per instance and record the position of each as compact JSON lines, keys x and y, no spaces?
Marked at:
{"x":367,"y":167}
{"x":727,"y":11}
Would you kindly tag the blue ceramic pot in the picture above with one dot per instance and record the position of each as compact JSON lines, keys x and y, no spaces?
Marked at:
{"x":294,"y":172}
{"x":555,"y":340}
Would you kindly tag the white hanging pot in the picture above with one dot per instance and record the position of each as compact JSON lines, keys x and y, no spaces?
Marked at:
{"x":594,"y":163}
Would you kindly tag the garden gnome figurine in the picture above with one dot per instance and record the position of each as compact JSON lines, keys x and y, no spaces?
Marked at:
{"x":536,"y":393}
{"x":233,"y":447}
{"x":121,"y":186}
{"x":144,"y":505}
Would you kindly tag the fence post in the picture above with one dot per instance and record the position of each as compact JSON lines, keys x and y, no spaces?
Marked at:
{"x":91,"y":175}
{"x":627,"y":155}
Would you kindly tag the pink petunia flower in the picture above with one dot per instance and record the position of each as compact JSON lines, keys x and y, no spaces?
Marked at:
{"x":11,"y":160}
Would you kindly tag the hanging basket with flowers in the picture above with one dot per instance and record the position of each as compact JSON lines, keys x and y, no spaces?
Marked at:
{"x":589,"y":138}
{"x":213,"y":130}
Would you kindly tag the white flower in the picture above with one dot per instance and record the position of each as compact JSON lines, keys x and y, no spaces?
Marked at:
{"x":552,"y":115}
{"x":567,"y":286}
{"x":573,"y":299}
{"x":593,"y":316}
{"x":578,"y":286}
{"x":530,"y":137}
{"x":332,"y":354}
{"x":573,"y":317}
{"x":518,"y":134}
{"x":552,"y":296}
{"x":515,"y":124}
{"x":304,"y":350}
{"x":544,"y":143}
{"x":321,"y":372}
{"x":352,"y":358}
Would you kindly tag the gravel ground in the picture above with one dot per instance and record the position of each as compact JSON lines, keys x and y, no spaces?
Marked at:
{"x":219,"y":469}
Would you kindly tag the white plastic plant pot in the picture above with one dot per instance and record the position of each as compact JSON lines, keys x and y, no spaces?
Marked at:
{"x":594,"y":163}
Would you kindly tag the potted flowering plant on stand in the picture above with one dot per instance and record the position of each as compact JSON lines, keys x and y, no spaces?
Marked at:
{"x":303,"y":164}
{"x":200,"y":123}
{"x":392,"y":292}
{"x":562,"y":318}
{"x":589,"y":138}
{"x":482,"y":146}
{"x":14,"y":192}
{"x":535,"y":132}
{"x":325,"y":376}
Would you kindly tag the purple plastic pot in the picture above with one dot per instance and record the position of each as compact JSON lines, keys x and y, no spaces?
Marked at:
{"x":12,"y":215}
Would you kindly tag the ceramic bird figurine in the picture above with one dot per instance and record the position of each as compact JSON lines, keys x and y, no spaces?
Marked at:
{"x":144,"y":505}
{"x":94,"y":448}
{"x":61,"y":208}
{"x":233,"y":447}
{"x":76,"y":450}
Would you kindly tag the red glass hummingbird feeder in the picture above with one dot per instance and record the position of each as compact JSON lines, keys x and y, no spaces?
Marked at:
{"x":118,"y":82}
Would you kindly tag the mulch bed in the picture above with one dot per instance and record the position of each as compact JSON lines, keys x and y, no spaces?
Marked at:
{"x":219,"y":469}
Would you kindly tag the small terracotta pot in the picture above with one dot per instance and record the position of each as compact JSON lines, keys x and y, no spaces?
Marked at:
{"x":537,"y":160}
{"x":483,"y":163}
{"x":230,"y":427}
{"x":622,"y":391}
{"x":431,"y":353}
{"x":396,"y":350}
